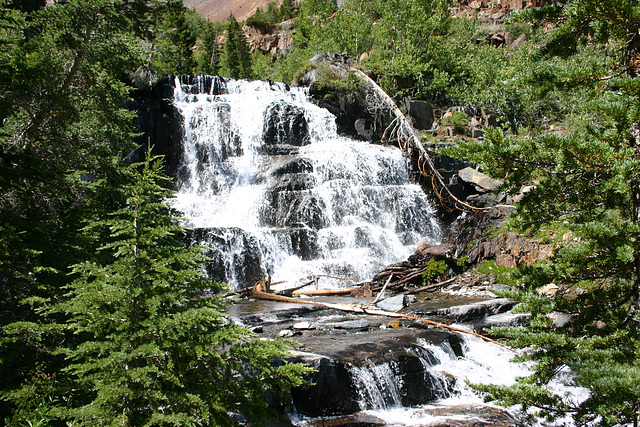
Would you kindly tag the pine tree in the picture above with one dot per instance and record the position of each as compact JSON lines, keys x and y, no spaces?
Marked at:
{"x":237,"y":59}
{"x":209,"y":57}
{"x":586,"y":194}
{"x":151,"y":349}
{"x":62,"y":130}
{"x":287,"y":10}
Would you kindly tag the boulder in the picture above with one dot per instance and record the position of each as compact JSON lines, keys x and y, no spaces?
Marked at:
{"x":285,"y":125}
{"x":479,"y":179}
{"x":395,"y":303}
{"x":479,"y":310}
{"x":421,"y":113}
{"x":438,"y":252}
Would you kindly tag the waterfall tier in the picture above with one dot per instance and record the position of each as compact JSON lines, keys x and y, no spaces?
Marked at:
{"x":272,"y":189}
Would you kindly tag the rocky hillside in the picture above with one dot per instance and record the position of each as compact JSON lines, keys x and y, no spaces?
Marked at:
{"x":219,"y":10}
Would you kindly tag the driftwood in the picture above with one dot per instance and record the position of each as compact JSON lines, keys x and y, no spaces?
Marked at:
{"x":402,"y":276}
{"x":312,"y":292}
{"x":290,"y":291}
{"x":258,"y":294}
{"x":402,"y":133}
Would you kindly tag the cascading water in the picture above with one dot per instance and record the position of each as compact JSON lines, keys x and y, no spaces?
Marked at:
{"x":378,"y":386}
{"x":273,"y":190}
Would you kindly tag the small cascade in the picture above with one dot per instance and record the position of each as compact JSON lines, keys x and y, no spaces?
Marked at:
{"x":457,"y":404}
{"x":427,"y":385}
{"x":378,"y":386}
{"x":270,"y":187}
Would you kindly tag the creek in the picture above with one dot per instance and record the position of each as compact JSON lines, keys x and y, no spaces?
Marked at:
{"x":269,"y":186}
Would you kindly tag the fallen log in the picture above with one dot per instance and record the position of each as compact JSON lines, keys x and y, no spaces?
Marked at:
{"x":290,"y":291}
{"x":371,"y":311}
{"x":403,"y":134}
{"x":317,"y":292}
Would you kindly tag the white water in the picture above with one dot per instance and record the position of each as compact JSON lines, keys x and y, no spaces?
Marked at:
{"x":483,"y":363}
{"x":356,"y":212}
{"x":378,"y":386}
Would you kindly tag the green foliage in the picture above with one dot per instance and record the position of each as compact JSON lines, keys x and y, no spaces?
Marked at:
{"x":209,"y":51}
{"x":179,"y":34}
{"x":585,"y":179}
{"x":456,"y":119}
{"x":433,"y":269}
{"x":63,"y":125}
{"x":503,"y":275}
{"x":236,"y":59}
{"x":273,"y":15}
{"x":150,"y":350}
{"x":65,"y":351}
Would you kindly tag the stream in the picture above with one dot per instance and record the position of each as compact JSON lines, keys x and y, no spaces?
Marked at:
{"x":267,"y":184}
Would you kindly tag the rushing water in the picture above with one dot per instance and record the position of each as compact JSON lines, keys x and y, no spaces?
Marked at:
{"x":273,"y":189}
{"x":455,"y":403}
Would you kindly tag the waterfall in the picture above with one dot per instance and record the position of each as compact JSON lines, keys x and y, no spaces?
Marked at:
{"x":269,"y":185}
{"x":378,"y":386}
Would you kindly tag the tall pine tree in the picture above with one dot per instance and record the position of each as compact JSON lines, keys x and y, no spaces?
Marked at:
{"x":236,"y":59}
{"x":151,"y":349}
{"x":62,"y":124}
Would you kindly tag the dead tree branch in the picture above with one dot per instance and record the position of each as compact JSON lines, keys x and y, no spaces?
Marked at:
{"x":406,"y":138}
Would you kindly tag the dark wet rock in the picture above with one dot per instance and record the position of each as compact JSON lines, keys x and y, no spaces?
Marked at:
{"x":350,"y":324}
{"x":470,"y":312}
{"x":285,"y":125}
{"x":279,"y":150}
{"x":332,"y":391}
{"x":234,"y":254}
{"x":482,"y":200}
{"x":421,"y":113}
{"x":296,"y":165}
{"x":364,"y":129}
{"x":293,"y":209}
{"x":337,"y":387}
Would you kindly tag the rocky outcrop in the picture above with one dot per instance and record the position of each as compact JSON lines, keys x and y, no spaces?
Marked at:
{"x":273,"y":40}
{"x":285,"y":124}
{"x":510,"y":250}
{"x":494,"y":11}
{"x":370,"y":362}
{"x":470,"y":235}
{"x":158,"y":124}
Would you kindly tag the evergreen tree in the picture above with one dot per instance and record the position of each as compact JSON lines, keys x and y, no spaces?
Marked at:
{"x":151,"y":350}
{"x":209,"y":55}
{"x":62,"y":126}
{"x":287,"y":10}
{"x":237,"y":59}
{"x":586,"y":190}
{"x":175,"y":36}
